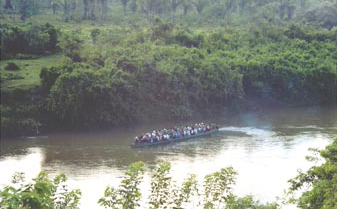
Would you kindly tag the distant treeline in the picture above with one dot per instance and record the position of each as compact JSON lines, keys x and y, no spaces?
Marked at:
{"x":165,"y":69}
{"x":226,"y":12}
{"x":169,"y":72}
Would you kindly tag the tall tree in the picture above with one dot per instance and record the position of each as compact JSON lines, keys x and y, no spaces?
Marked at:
{"x":230,"y":8}
{"x":104,"y":9}
{"x":242,"y":5}
{"x":54,"y":8}
{"x":187,"y":5}
{"x":92,"y":9}
{"x":287,"y":8}
{"x":8,"y":4}
{"x":125,"y":4}
{"x":133,"y":6}
{"x":303,"y":3}
{"x":85,"y":9}
{"x":73,"y":6}
{"x":174,"y":4}
{"x":24,"y":6}
{"x":200,"y":5}
{"x":66,"y":10}
{"x":152,"y":7}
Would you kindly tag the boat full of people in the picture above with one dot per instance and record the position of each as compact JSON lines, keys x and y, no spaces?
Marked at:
{"x":175,"y":134}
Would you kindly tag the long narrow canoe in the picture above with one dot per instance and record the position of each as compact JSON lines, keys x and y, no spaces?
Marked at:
{"x":146,"y":144}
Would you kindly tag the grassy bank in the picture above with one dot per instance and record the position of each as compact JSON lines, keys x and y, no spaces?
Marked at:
{"x":28,"y":76}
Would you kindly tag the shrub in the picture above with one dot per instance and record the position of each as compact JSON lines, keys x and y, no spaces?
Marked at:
{"x":41,"y":193}
{"x":320,"y":180}
{"x":11,"y":66}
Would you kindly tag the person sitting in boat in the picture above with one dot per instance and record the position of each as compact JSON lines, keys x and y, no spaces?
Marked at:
{"x":174,"y":133}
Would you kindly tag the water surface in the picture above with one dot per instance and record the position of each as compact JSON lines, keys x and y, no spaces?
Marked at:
{"x":265,"y":147}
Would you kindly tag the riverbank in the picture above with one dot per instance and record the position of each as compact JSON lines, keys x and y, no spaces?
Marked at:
{"x":61,"y":74}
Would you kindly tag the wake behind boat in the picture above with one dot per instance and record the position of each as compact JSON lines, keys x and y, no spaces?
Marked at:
{"x":175,"y":134}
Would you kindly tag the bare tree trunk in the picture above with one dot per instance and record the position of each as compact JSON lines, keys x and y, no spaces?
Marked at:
{"x":73,"y":8}
{"x":174,"y":7}
{"x":282,"y":8}
{"x":134,"y":6}
{"x":66,"y":10}
{"x":92,"y":9}
{"x":85,"y":8}
{"x":8,"y":4}
{"x":104,"y":7}
{"x":186,"y":8}
{"x":23,"y":10}
{"x":335,"y":102}
{"x":54,"y":7}
{"x":291,"y":10}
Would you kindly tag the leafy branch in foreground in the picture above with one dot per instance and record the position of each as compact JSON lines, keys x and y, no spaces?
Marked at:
{"x":128,"y":194}
{"x":320,"y":182}
{"x":165,"y":193}
{"x":218,"y":187}
{"x":42,"y":193}
{"x":216,"y":192}
{"x":161,"y":186}
{"x":188,"y":190}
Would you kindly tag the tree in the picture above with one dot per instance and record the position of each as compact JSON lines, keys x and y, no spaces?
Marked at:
{"x":54,"y":5}
{"x":286,"y":8}
{"x":125,"y":4}
{"x":152,"y":8}
{"x":42,"y":193}
{"x":89,"y":7}
{"x":242,"y":5}
{"x":128,"y":193}
{"x":24,"y":7}
{"x":133,"y":6}
{"x":187,"y":5}
{"x":92,"y":9}
{"x":73,"y":7}
{"x":71,"y":45}
{"x":218,"y":187}
{"x":66,"y":10}
{"x":200,"y":5}
{"x":230,"y":8}
{"x":85,"y":9}
{"x":303,"y":3}
{"x":184,"y":194}
{"x":54,"y":8}
{"x":174,"y":4}
{"x":161,"y":186}
{"x":321,"y":181}
{"x":8,"y":4}
{"x":104,"y":9}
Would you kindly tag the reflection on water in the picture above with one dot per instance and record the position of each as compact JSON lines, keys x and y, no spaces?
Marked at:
{"x":266,"y":148}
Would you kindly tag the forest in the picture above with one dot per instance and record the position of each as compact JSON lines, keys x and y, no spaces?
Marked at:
{"x":102,"y":63}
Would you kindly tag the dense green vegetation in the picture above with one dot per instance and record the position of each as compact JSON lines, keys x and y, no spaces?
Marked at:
{"x":102,"y":63}
{"x":41,"y":193}
{"x":320,"y":179}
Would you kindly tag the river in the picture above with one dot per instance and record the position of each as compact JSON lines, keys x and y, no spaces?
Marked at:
{"x":265,"y":147}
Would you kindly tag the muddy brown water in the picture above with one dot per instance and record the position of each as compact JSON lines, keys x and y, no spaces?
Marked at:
{"x":265,"y":147}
